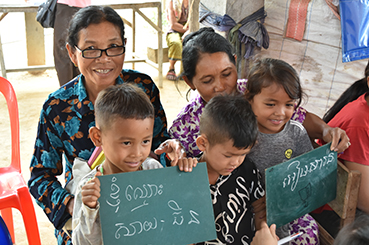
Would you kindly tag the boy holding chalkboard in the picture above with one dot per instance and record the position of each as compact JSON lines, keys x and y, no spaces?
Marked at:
{"x":124,"y":129}
{"x":228,"y":131}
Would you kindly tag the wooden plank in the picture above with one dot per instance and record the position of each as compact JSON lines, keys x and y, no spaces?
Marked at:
{"x":5,"y":8}
{"x":325,"y":238}
{"x":31,"y":68}
{"x":2,"y":61}
{"x":342,"y":177}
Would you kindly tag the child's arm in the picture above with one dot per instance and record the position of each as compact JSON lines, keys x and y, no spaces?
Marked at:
{"x":318,"y":129}
{"x":265,"y":236}
{"x":86,"y":220}
{"x":259,"y":212}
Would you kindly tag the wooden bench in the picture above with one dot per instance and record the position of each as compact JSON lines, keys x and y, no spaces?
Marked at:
{"x":152,"y":54}
{"x":348,"y":184}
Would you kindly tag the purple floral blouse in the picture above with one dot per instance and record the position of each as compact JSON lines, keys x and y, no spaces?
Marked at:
{"x":186,"y":126}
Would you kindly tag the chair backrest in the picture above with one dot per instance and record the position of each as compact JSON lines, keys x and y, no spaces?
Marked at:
{"x":7,"y":90}
{"x":348,"y":184}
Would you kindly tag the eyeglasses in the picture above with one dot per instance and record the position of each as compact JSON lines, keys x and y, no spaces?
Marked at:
{"x":96,"y":53}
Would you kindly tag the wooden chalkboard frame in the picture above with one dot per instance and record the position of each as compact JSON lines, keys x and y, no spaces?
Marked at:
{"x":300,"y":185}
{"x":159,"y":206}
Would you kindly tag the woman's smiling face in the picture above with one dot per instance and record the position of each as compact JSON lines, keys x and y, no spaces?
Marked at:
{"x":104,"y":70}
{"x":215,"y":74}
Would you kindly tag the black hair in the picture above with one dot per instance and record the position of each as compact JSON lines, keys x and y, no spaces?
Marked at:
{"x":229,"y":117}
{"x":353,"y":92}
{"x":125,"y":101}
{"x":356,"y":233}
{"x":92,"y":15}
{"x":267,"y":71}
{"x":205,"y":40}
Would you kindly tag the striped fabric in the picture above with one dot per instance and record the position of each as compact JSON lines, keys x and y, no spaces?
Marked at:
{"x":296,"y":20}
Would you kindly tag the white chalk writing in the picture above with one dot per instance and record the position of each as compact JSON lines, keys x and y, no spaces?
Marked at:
{"x":301,"y":172}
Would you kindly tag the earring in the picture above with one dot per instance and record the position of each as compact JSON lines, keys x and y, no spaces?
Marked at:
{"x":75,"y":65}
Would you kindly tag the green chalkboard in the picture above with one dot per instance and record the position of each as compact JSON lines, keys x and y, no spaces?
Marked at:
{"x":159,"y":206}
{"x":300,"y":185}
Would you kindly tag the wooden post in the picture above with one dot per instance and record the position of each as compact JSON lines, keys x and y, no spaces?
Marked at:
{"x":35,"y":40}
{"x":193,"y":18}
{"x":160,"y":46}
{"x":2,"y":61}
{"x":133,"y":36}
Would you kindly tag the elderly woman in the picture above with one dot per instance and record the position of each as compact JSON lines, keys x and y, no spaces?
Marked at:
{"x":96,"y":45}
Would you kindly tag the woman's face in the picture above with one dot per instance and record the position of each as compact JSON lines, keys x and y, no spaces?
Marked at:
{"x":102,"y":71}
{"x":215,"y":74}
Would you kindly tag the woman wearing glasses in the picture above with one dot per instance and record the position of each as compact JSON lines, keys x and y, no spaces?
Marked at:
{"x":96,"y":45}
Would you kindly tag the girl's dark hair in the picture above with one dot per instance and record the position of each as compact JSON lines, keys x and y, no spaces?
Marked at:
{"x":204,"y":40}
{"x":92,"y":15}
{"x":353,"y":92}
{"x":267,"y":71}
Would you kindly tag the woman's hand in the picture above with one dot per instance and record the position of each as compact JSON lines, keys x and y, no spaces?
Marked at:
{"x":173,"y":149}
{"x":186,"y":164}
{"x":70,"y":206}
{"x":318,"y":129}
{"x":339,"y":138}
{"x":265,"y":236}
{"x":91,"y":192}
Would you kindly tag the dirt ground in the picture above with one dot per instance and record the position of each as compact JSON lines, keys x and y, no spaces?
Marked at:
{"x":31,"y":91}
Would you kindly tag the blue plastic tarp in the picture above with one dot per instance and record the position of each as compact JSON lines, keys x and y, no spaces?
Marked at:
{"x":355,"y":29}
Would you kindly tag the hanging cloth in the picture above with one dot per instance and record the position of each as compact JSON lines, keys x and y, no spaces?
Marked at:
{"x":296,"y":19}
{"x":249,"y":32}
{"x":216,"y":21}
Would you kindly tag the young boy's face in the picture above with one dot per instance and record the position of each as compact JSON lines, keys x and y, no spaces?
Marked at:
{"x":273,"y":108}
{"x":126,"y":144}
{"x":223,"y":158}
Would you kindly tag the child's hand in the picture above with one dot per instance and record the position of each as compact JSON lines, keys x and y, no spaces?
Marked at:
{"x":265,"y":236}
{"x":259,"y":207}
{"x":91,"y":192}
{"x":186,"y":164}
{"x":173,"y":149}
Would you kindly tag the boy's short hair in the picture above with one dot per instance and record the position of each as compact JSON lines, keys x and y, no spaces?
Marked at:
{"x":229,"y":117}
{"x":356,"y":233}
{"x":126,"y":101}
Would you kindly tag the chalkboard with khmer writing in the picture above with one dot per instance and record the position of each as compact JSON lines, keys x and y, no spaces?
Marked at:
{"x":300,"y":185}
{"x":159,"y":206}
